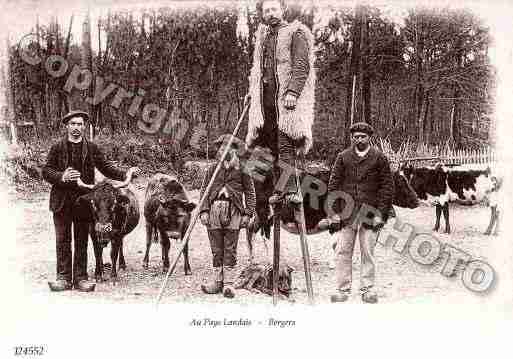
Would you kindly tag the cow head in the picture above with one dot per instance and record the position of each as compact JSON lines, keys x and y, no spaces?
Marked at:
{"x":173,"y":216}
{"x":106,"y":207}
{"x":404,"y":195}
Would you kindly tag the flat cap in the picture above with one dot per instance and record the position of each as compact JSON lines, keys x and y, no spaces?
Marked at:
{"x":362,"y":127}
{"x":76,"y":113}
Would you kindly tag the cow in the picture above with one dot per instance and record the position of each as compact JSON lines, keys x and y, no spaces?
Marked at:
{"x":404,"y":196}
{"x":442,"y":184}
{"x":113,"y":212}
{"x":167,"y":212}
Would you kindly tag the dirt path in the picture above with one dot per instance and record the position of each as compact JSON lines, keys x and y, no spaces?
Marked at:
{"x":398,"y":277}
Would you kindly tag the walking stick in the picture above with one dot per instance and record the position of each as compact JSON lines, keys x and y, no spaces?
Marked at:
{"x":304,"y":240}
{"x":198,"y":207}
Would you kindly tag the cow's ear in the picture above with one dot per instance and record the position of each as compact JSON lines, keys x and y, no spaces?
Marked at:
{"x":189,"y":206}
{"x":82,"y":210}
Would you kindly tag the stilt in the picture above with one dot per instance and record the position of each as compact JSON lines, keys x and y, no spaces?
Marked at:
{"x":304,"y":240}
{"x":276,"y":251}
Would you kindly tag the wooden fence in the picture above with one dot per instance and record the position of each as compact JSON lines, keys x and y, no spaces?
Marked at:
{"x":423,"y":154}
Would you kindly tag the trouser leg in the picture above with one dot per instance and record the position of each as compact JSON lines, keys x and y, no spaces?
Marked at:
{"x":367,"y":238}
{"x":344,"y":257}
{"x":80,"y":238}
{"x":216,"y":238}
{"x":63,"y":246}
{"x":231,"y":239}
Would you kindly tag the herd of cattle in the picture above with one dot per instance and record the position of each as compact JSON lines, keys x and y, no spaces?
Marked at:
{"x":114,"y":212}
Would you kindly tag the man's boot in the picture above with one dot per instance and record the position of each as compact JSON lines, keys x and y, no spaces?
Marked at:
{"x":60,"y":285}
{"x":229,"y":279}
{"x":217,"y":285}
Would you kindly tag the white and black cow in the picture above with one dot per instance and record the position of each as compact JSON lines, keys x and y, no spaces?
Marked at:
{"x":440,"y":185}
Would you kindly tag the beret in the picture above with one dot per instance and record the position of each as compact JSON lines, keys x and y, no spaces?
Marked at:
{"x":362,"y":127}
{"x":76,"y":113}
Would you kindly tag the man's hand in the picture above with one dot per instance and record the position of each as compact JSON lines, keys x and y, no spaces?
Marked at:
{"x":204,"y":218}
{"x":244,"y":221}
{"x":290,"y":101}
{"x":132,"y":171}
{"x":70,"y":175}
{"x":247,"y":98}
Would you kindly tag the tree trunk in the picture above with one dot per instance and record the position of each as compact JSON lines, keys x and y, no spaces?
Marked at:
{"x":353,"y":71}
{"x":366,"y":80}
{"x":87,"y":64}
{"x":419,"y":88}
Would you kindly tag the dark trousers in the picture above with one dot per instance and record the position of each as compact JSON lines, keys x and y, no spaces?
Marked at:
{"x":223,"y":243}
{"x":70,"y":268}
{"x":282,"y":146}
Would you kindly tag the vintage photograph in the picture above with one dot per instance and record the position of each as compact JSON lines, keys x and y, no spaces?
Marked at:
{"x":260,"y":153}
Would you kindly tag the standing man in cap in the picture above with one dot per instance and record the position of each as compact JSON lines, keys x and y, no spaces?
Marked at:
{"x":363,"y":173}
{"x":224,"y":212}
{"x":282,"y":93}
{"x":69,"y":165}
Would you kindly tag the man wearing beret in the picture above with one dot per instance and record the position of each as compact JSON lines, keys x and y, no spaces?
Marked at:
{"x":363,"y":173}
{"x":70,"y":164}
{"x":224,"y":212}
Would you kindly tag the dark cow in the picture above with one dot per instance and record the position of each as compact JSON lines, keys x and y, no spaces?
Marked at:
{"x":441,"y":185}
{"x":167,"y":211}
{"x":113,"y":213}
{"x":404,"y":196}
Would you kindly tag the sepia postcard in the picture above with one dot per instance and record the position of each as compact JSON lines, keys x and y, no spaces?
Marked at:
{"x":251,"y":178}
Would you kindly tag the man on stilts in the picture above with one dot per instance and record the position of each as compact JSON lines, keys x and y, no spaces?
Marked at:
{"x":282,"y":94}
{"x":282,"y":97}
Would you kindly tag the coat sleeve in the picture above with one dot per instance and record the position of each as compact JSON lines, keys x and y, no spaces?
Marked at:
{"x":336,"y":180}
{"x":386,"y":187}
{"x":300,"y":63}
{"x":205,"y":207}
{"x":51,"y":172}
{"x":105,"y":167}
{"x":249,"y":194}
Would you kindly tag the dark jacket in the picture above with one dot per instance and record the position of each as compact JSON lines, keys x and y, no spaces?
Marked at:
{"x":366,"y":179}
{"x":57,"y":162}
{"x":236,"y":183}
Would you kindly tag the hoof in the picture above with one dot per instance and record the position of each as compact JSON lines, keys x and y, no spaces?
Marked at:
{"x":165,"y":269}
{"x":487,"y":233}
{"x":145,"y":265}
{"x":188,"y":272}
{"x":122,"y":267}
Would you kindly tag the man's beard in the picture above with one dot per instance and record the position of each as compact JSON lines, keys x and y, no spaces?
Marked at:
{"x":272,"y":21}
{"x":362,"y":146}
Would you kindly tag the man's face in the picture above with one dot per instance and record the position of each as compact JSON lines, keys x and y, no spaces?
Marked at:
{"x":75,"y":128}
{"x":361,"y":140}
{"x":272,"y":12}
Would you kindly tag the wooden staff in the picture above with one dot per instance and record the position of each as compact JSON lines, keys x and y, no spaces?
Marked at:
{"x":196,"y":212}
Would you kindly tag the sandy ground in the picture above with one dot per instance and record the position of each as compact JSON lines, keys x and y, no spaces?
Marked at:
{"x":399,"y":278}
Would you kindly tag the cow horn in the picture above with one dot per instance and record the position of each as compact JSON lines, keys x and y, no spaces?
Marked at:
{"x":80,"y":183}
